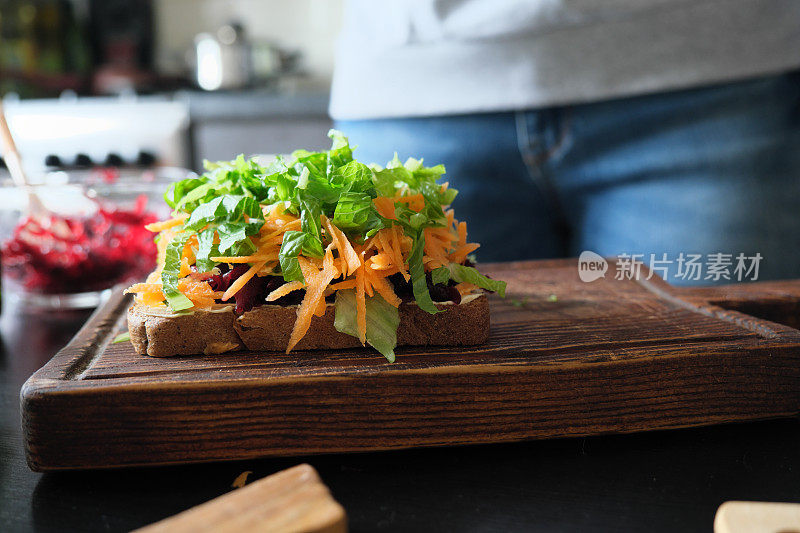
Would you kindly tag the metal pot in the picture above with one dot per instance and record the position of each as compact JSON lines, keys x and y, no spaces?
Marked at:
{"x":223,"y":59}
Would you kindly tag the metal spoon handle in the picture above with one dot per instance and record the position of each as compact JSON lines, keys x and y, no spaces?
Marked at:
{"x":14,"y":164}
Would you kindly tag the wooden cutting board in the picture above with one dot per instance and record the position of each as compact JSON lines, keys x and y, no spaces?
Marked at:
{"x":564,"y":358}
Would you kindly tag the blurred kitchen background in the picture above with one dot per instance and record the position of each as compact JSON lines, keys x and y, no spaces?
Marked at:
{"x":138,"y":83}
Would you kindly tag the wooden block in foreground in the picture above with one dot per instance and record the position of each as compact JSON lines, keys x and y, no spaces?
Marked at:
{"x":757,"y":517}
{"x":293,"y":500}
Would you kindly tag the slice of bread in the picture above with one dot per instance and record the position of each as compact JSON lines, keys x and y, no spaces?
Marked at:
{"x":267,"y":328}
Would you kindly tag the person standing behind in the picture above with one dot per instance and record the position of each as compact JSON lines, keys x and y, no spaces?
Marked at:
{"x":652,"y":127}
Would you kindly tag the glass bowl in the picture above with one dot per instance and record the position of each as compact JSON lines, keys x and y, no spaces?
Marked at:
{"x":92,"y":240}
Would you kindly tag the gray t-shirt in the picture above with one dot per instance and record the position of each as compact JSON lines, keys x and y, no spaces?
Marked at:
{"x":437,"y":57}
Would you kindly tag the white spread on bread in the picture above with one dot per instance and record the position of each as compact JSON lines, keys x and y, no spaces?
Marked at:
{"x":166,"y":312}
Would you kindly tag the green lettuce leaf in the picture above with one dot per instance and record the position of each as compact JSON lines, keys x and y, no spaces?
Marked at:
{"x":190,"y":194}
{"x":382,"y":321}
{"x":440,"y":275}
{"x":226,"y":208}
{"x":172,"y":267}
{"x":340,"y":153}
{"x":315,"y":163}
{"x":233,"y":237}
{"x":310,"y":224}
{"x":373,"y":225}
{"x":419,"y":283}
{"x":352,"y":210}
{"x":465,"y":274}
{"x":293,"y":242}
{"x":234,"y":218}
{"x":423,"y":174}
{"x":302,"y":179}
{"x":206,"y":249}
{"x":351,"y":176}
{"x":238,"y":177}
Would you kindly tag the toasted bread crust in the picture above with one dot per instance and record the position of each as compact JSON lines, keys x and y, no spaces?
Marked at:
{"x":268,"y":328}
{"x":165,"y":336}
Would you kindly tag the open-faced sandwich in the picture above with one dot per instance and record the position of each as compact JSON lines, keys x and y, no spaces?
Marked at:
{"x":317,"y":251}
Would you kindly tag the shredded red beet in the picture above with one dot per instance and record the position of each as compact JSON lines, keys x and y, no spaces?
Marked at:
{"x":440,"y":292}
{"x":255,"y":291}
{"x":220,"y":282}
{"x":257,"y":288}
{"x":71,"y":254}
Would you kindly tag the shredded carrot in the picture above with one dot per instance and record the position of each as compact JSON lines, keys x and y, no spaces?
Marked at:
{"x":385,"y":207}
{"x":143,"y":287}
{"x":369,"y":244}
{"x":462,"y":233}
{"x":276,"y":211}
{"x":353,"y":261}
{"x":361,"y":303}
{"x":347,"y":284}
{"x":435,"y":248}
{"x":401,"y":199}
{"x":147,"y":293}
{"x":406,"y":244}
{"x":199,"y":292}
{"x":242,"y":280}
{"x":284,"y":289}
{"x":443,"y":234}
{"x":321,"y":307}
{"x":385,"y":241}
{"x":185,"y":270}
{"x":384,"y":289}
{"x":380,"y":262}
{"x":152,"y":298}
{"x":295,"y":224}
{"x":415,"y":201}
{"x":337,"y":243}
{"x":156,"y":227}
{"x":466,"y":288}
{"x":398,"y":252}
{"x":462,"y":252}
{"x":260,"y":256}
{"x":272,"y":241}
{"x":346,"y":252}
{"x":316,"y":283}
{"x":189,"y":248}
{"x":385,"y":273}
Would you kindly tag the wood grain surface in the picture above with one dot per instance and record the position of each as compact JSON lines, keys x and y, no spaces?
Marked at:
{"x":564,"y":358}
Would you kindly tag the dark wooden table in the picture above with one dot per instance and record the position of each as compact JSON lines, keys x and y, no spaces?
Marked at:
{"x":660,"y":481}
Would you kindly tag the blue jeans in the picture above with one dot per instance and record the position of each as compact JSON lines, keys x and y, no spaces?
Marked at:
{"x":701,"y":171}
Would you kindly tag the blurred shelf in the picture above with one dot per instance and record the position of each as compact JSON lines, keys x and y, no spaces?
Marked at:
{"x":253,"y":105}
